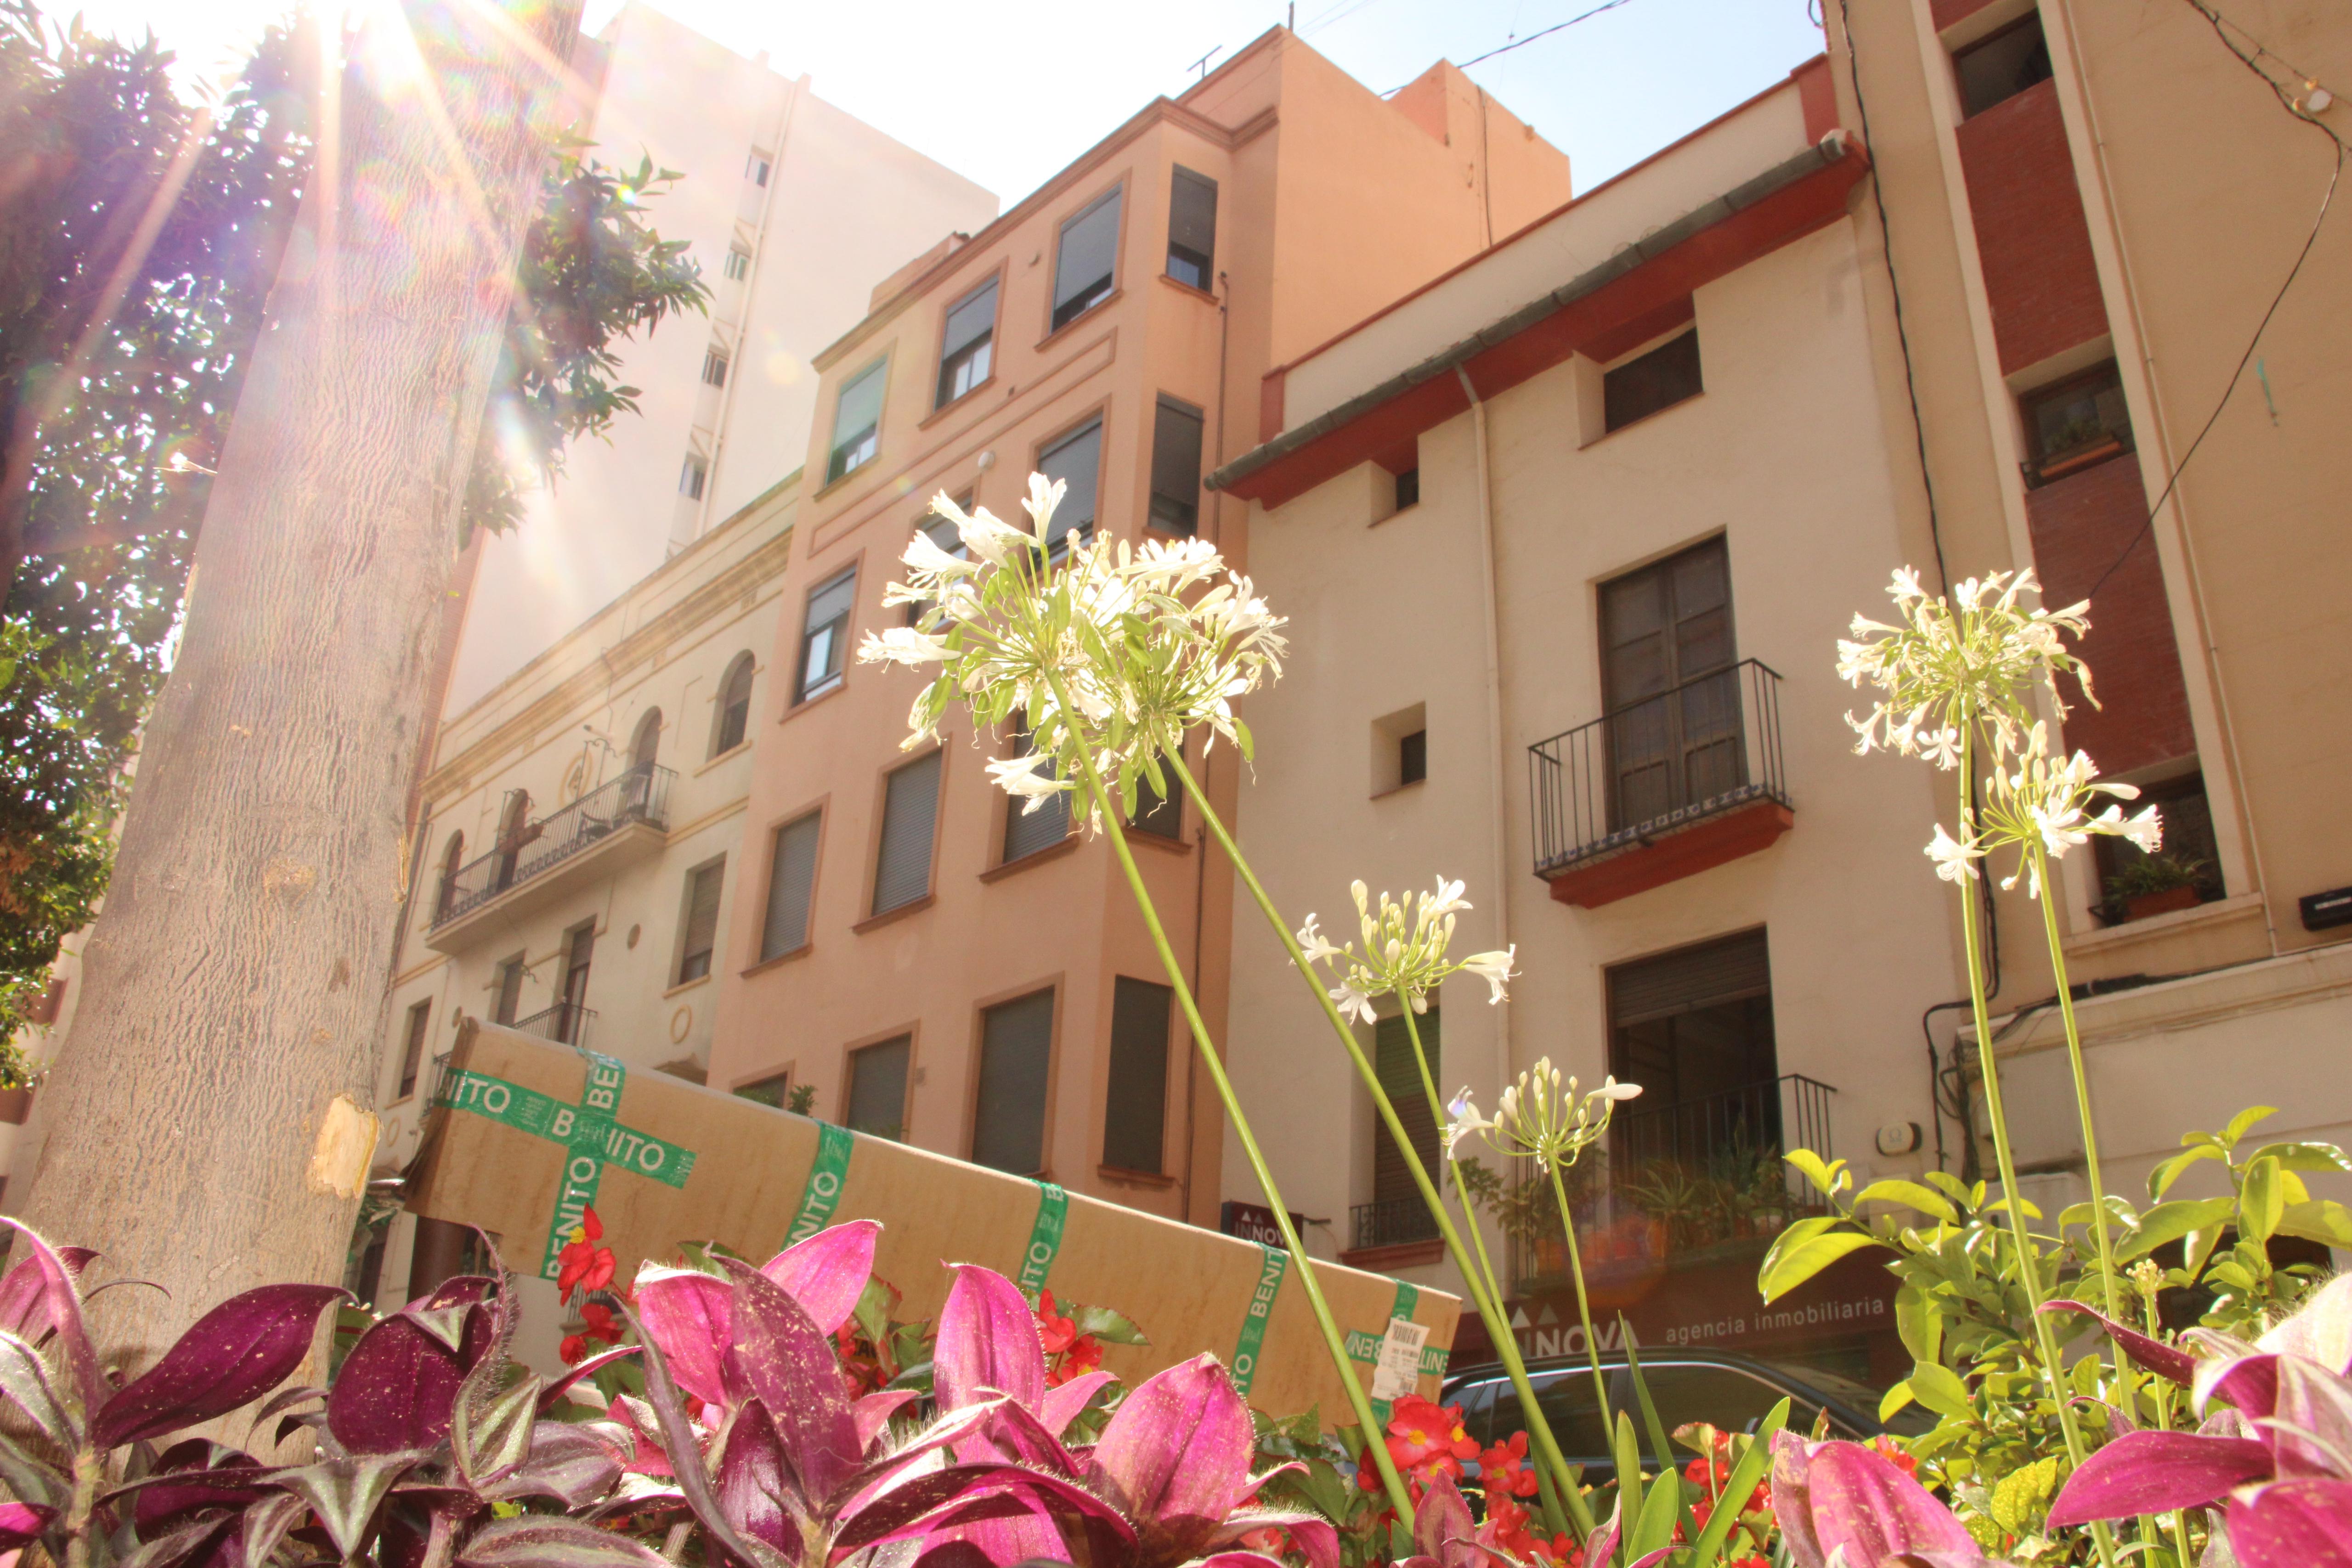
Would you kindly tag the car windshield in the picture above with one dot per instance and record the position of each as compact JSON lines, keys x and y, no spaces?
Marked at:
{"x":1909,"y":1421}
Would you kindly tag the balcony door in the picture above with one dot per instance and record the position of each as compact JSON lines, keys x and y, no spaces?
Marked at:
{"x":1694,"y":1028}
{"x":1670,"y":686}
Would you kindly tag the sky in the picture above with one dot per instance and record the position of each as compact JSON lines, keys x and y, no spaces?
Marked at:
{"x":1007,"y":93}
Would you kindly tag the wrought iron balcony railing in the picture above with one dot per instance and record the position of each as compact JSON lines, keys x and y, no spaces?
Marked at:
{"x":565,"y":1023}
{"x":1704,"y":747}
{"x":1392,"y":1223}
{"x":640,"y":795}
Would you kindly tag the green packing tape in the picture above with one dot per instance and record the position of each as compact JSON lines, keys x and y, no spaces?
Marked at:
{"x":1366,"y":1348}
{"x":591,"y":1133}
{"x":1261,"y":1306}
{"x":835,"y":1145}
{"x":1045,"y":1239}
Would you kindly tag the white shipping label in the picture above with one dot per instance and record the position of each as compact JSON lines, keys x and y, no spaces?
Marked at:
{"x":1398,"y":1372}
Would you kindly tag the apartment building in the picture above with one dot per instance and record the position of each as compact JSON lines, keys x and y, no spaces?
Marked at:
{"x":930,"y":965}
{"x":794,"y":209}
{"x":582,"y":835}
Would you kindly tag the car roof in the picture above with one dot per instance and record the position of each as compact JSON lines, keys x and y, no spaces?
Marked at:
{"x":1662,"y":1356}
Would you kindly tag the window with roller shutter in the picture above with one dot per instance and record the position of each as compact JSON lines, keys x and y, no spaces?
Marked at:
{"x":877,"y":1088}
{"x":699,"y":935}
{"x":1191,"y":228}
{"x":1399,"y":1077}
{"x":1135,"y":1113}
{"x":1075,"y":460}
{"x":1175,"y":467}
{"x":1694,"y":1028}
{"x":1085,"y":260}
{"x":792,"y":876}
{"x":1027,"y":831}
{"x":1016,"y":1048}
{"x":902,"y":870}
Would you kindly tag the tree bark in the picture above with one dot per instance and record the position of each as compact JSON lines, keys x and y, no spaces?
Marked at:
{"x":210,"y":1123}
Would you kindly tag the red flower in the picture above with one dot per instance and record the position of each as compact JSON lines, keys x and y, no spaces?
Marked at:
{"x":1503,"y":1469}
{"x":1055,"y":1332}
{"x":1272,"y":1540}
{"x":580,"y":1264}
{"x":598,"y":1326}
{"x":1069,"y":1353}
{"x":1427,"y":1440}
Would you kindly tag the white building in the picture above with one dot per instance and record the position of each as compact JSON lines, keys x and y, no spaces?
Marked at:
{"x":796,"y":212}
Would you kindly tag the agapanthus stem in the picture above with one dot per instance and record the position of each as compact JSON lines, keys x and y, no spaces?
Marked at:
{"x":1584,"y":1307}
{"x":1375,"y":1438}
{"x":2028,"y":1259}
{"x":1498,"y":1327}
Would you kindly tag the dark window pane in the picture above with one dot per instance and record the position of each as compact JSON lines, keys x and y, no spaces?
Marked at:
{"x":1162,"y":815}
{"x":792,"y":873}
{"x":646,"y":745}
{"x":826,"y":638}
{"x":701,"y":923}
{"x":1695,"y":1030}
{"x":1675,"y":736}
{"x":1192,"y":229}
{"x":1175,"y":467}
{"x":967,"y":347}
{"x":1995,"y":69}
{"x":734,"y":707}
{"x":690,"y":476}
{"x":510,"y":1003}
{"x":1412,"y":757}
{"x":1572,"y":1410}
{"x":1077,"y":460}
{"x":858,"y":421}
{"x":1027,"y":831}
{"x":1723,"y":1396}
{"x":1408,"y":489}
{"x":1399,"y":1077}
{"x":1136,"y":1114}
{"x":766,"y":1091}
{"x":877,"y":1088}
{"x":1085,"y":259}
{"x":1659,"y":378}
{"x":412,"y":1053}
{"x":1008,"y":1131}
{"x":2080,"y":422}
{"x":714,"y":368}
{"x":909,"y":807}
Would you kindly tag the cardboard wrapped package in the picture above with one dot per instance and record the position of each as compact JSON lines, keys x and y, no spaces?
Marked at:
{"x":525,"y":1133}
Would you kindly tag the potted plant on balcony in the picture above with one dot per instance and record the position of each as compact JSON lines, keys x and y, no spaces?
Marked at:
{"x":2158,"y":884}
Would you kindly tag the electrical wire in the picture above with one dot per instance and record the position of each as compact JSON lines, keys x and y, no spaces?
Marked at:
{"x":1541,"y":33}
{"x":2288,"y":100}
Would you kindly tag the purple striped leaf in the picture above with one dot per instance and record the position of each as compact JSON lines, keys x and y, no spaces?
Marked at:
{"x":2154,"y":1354}
{"x":962,"y":1496}
{"x":827,"y":1272}
{"x":232,"y":1355}
{"x":678,"y":1440}
{"x":585,"y":1370}
{"x":2155,"y":1472}
{"x":757,"y":1490}
{"x":536,"y":1540}
{"x":49,"y":1301}
{"x":2293,"y":1524}
{"x":2321,"y":1330}
{"x":1842,"y":1498}
{"x":398,"y":1388}
{"x":789,"y":1366}
{"x":2248,"y":1381}
{"x":190,"y":1475}
{"x":574,"y":1462}
{"x":987,"y":1340}
{"x":21,"y":1523}
{"x":2310,"y":1431}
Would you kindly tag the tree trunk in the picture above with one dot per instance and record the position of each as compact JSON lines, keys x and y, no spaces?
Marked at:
{"x":210,"y":1124}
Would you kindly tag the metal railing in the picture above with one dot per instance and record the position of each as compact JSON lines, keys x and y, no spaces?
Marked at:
{"x":639,"y":795}
{"x":565,"y":1023}
{"x":1392,"y":1223}
{"x":1683,"y":1176}
{"x":1701,"y":748}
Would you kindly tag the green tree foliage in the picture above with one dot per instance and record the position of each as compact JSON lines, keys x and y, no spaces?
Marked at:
{"x":139,"y":233}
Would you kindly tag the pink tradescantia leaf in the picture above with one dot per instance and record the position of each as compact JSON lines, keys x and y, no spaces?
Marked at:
{"x":987,"y":1340}
{"x":1012,"y":1432}
{"x":962,"y":1496}
{"x":871,"y":1415}
{"x":2248,"y":1381}
{"x":691,"y":1316}
{"x":1792,"y":1463}
{"x":55,"y":1305}
{"x":574,"y":1462}
{"x":191,"y":1475}
{"x":21,"y":1523}
{"x":1022,"y":1533}
{"x":1866,"y":1508}
{"x":677,"y":1440}
{"x":1312,"y":1533}
{"x":2321,"y":1330}
{"x":1441,"y":1519}
{"x":789,"y":1366}
{"x":24,"y":1305}
{"x":586,"y":1369}
{"x":538,"y":1541}
{"x":233,"y":1354}
{"x":2155,"y":1472}
{"x":1063,"y":1404}
{"x":2154,"y":1354}
{"x":398,"y":1387}
{"x":1178,"y":1449}
{"x":756,"y":1489}
{"x":827,"y":1272}
{"x":1259,"y":1559}
{"x":2293,"y":1524}
{"x":2310,"y":1429}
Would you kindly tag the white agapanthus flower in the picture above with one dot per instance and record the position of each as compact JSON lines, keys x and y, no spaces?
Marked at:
{"x":2042,"y":806}
{"x":1541,"y":1116}
{"x":1403,"y":952}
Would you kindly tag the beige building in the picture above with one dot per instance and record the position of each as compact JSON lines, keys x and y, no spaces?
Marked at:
{"x":795,"y":210}
{"x":584,"y":833}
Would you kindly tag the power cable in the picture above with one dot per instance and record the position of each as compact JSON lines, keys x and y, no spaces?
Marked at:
{"x":1521,"y":43}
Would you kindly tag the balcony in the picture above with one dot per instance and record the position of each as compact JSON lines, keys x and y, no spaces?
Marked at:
{"x":610,"y":827}
{"x":1681,"y":1184}
{"x":1662,"y":789}
{"x":565,"y":1023}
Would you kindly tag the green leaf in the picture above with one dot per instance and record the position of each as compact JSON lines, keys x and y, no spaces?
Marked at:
{"x":2160,"y":1180}
{"x":1911,"y":1195}
{"x":1823,"y":1177}
{"x":1919,"y":1325}
{"x":2322,"y":1219}
{"x":1708,"y":1550}
{"x":1939,"y":1388}
{"x":2170,"y":1222}
{"x":1786,"y":1266}
{"x":2308,"y":1156}
{"x":2241,"y":1123}
{"x":2020,"y":1499}
{"x":2260,"y":1202}
{"x":1896,"y":1398}
{"x":1108,"y":1326}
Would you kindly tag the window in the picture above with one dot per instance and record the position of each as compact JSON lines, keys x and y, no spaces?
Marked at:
{"x":1086,"y":260}
{"x":756,"y":169}
{"x":1400,"y":1076}
{"x":1673,"y":735}
{"x":2190,"y":860}
{"x":1695,"y":1030}
{"x":825,"y":636}
{"x":508,"y":1005}
{"x":965,"y":345}
{"x":857,"y":421}
{"x":1658,"y":379}
{"x":1159,"y":815}
{"x":691,"y":475}
{"x":1135,"y":1118}
{"x":453,"y":861}
{"x":2077,"y":423}
{"x":714,"y":368}
{"x":1997,"y":69}
{"x":1075,"y":459}
{"x":902,"y":868}
{"x":1412,"y":757}
{"x":791,"y":877}
{"x":1400,"y":748}
{"x":771,"y":1090}
{"x":1175,"y":467}
{"x":877,"y":1088}
{"x":942,"y":533}
{"x":734,"y":706}
{"x":1193,"y":228}
{"x":739,"y":264}
{"x":515,"y":830}
{"x":1016,"y":1049}
{"x":1408,"y":489}
{"x":412,"y":1051}
{"x":701,"y":923}
{"x":645,"y":744}
{"x":572,"y":1008}
{"x":1026,"y":832}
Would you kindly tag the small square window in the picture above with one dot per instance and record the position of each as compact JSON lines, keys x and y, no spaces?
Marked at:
{"x":756,"y":168}
{"x":967,"y":345}
{"x":1412,"y":757}
{"x":1400,"y":748}
{"x":1666,"y":375}
{"x":857,"y":421}
{"x":714,"y":368}
{"x":1408,"y":489}
{"x":1997,"y":69}
{"x":2078,"y":423}
{"x":691,"y":477}
{"x":739,"y":264}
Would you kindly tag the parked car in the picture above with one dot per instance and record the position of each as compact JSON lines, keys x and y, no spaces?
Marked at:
{"x":1733,"y":1392}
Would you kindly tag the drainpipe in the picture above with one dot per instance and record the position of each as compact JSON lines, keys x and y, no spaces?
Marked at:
{"x":1500,"y":843}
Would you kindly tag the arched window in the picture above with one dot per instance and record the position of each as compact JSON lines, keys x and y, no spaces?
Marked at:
{"x":734,"y":706}
{"x":513,"y":834}
{"x":453,"y":856}
{"x":647,"y":741}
